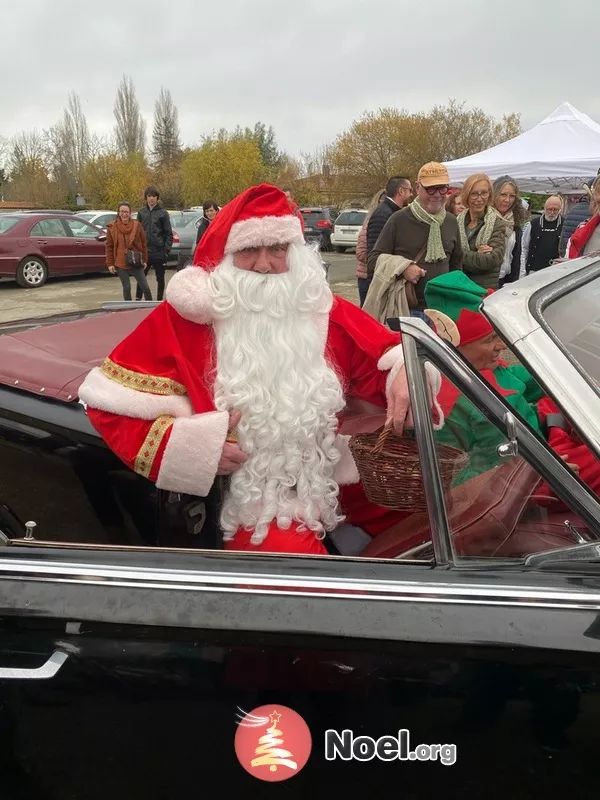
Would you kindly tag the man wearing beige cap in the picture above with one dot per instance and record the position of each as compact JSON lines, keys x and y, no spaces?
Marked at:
{"x":422,"y":237}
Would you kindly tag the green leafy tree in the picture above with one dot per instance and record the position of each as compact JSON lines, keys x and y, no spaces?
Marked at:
{"x":224,"y":165}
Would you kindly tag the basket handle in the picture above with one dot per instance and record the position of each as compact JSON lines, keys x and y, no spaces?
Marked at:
{"x":378,"y":446}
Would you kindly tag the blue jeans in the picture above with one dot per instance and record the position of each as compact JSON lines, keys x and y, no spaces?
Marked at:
{"x":363,"y":288}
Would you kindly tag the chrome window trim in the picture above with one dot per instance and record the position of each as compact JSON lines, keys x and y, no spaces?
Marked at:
{"x":457,"y":592}
{"x":425,"y":436}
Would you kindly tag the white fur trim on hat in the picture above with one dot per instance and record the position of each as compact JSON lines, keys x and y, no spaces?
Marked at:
{"x":264,"y":232}
{"x":104,"y":394}
{"x":191,"y":458}
{"x":188,"y":292}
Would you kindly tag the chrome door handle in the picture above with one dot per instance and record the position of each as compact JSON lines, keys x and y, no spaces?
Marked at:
{"x":47,"y":670}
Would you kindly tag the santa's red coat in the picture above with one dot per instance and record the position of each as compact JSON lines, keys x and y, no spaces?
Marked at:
{"x":153,"y":404}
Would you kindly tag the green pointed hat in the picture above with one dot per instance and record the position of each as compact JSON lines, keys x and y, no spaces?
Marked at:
{"x":453,"y":292}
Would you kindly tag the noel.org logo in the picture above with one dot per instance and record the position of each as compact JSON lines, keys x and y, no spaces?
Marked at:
{"x":272,"y":743}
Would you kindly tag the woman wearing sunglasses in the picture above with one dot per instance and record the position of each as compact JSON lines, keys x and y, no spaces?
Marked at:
{"x":482,"y":233}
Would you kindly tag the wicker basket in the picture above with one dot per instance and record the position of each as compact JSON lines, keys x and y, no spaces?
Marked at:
{"x":390,"y":468}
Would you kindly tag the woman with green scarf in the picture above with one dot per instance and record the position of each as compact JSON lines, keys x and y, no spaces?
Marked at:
{"x":482,"y":233}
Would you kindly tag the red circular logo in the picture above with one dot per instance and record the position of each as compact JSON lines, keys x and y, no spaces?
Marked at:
{"x":272,"y":743}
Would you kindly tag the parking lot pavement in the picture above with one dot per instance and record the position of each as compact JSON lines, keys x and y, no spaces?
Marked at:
{"x":88,"y":292}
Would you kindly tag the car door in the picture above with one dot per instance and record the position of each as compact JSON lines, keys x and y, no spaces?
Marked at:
{"x":90,"y":248}
{"x":55,"y":242}
{"x":125,"y":669}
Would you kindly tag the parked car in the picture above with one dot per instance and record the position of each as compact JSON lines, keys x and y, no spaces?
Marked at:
{"x":47,"y":211}
{"x":185,"y":227}
{"x":318,"y":225}
{"x":34,"y":247}
{"x":99,"y":218}
{"x":132,"y":644}
{"x":346,"y":228}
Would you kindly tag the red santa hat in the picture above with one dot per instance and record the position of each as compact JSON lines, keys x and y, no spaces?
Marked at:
{"x":472,"y":325}
{"x":259,"y":217}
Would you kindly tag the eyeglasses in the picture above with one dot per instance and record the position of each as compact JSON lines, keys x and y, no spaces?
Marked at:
{"x":482,"y":195}
{"x":506,"y":196}
{"x":431,"y":190}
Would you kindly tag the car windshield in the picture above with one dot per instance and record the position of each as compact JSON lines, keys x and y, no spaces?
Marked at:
{"x":86,"y":216}
{"x":351,"y":218}
{"x":575,"y":320}
{"x":6,"y":223}
{"x":181,"y":219}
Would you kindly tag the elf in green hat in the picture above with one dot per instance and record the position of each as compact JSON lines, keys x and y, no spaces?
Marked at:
{"x":453,"y":300}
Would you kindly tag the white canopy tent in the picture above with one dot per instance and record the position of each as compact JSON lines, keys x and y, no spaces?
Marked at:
{"x":561,"y":153}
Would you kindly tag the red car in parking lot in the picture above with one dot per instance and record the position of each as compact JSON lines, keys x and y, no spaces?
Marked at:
{"x":34,"y":247}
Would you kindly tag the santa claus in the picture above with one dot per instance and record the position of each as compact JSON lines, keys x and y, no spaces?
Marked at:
{"x":244,"y":371}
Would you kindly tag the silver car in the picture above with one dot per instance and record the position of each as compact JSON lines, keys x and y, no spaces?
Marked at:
{"x":185,"y":224}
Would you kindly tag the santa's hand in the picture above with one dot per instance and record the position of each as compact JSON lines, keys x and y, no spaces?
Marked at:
{"x":232,"y":456}
{"x":232,"y":459}
{"x":398,"y":412}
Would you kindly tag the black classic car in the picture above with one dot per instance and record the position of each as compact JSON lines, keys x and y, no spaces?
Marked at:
{"x":460,"y":658}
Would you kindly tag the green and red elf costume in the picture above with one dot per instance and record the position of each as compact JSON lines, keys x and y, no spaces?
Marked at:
{"x":465,"y":427}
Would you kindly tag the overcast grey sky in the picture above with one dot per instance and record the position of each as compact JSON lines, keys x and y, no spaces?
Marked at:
{"x":307,"y":67}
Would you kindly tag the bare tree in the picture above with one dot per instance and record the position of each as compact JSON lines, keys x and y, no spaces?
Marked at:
{"x":69,"y":145}
{"x":28,"y":150}
{"x":4,"y":147}
{"x":130,"y":128}
{"x":165,"y":136}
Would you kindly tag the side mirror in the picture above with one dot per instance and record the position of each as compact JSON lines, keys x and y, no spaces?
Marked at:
{"x":101,"y":237}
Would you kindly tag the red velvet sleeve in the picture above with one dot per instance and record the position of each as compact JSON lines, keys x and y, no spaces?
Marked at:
{"x":139,"y":443}
{"x":355,"y":343}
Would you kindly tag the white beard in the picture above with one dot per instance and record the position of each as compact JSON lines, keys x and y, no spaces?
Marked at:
{"x":271,"y":367}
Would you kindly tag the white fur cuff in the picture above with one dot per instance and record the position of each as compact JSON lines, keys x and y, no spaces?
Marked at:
{"x":104,"y":394}
{"x":345,"y":471}
{"x":191,"y":458}
{"x":391,"y":358}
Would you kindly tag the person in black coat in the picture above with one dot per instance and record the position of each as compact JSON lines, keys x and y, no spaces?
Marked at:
{"x":156,"y":223}
{"x":209,"y":212}
{"x":398,"y":194}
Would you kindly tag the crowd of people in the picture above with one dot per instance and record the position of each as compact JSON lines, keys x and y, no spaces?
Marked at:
{"x":412,"y":234}
{"x":255,"y":365}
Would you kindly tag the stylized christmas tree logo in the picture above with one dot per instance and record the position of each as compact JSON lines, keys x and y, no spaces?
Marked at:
{"x":269,"y":752}
{"x":256,"y":751}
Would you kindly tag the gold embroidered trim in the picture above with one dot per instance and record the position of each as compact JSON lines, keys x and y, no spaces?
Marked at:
{"x":140,"y":381}
{"x":147,"y":454}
